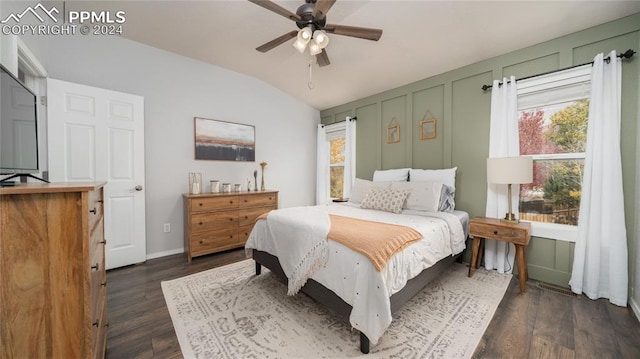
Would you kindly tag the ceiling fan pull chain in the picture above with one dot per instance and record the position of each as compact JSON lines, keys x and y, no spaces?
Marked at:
{"x":310,"y":83}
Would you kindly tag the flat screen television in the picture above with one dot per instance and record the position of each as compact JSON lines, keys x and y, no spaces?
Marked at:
{"x":18,"y":130}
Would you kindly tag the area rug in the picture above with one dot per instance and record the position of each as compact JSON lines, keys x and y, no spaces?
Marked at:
{"x":229,"y":312}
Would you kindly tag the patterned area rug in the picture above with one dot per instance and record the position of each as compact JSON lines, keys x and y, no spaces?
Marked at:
{"x":228,"y":312}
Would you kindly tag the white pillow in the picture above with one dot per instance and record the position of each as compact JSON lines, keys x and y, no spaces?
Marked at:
{"x":361,"y":187}
{"x":423,"y":196}
{"x":446,"y":176}
{"x":382,"y":199}
{"x":398,"y":174}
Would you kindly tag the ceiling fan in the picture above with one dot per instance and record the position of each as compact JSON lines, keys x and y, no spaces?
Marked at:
{"x":312,"y":21}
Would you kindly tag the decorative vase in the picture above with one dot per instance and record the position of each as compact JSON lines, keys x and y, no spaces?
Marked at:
{"x":195,"y":182}
{"x":262,"y":165}
{"x":255,"y":180}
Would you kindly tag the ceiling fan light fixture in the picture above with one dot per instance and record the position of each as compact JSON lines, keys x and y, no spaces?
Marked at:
{"x":314,"y":48}
{"x":305,"y":34}
{"x":300,"y":45}
{"x":303,"y":38}
{"x":320,"y":37}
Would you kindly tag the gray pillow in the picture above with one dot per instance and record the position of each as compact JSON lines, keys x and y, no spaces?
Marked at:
{"x":447,"y":202}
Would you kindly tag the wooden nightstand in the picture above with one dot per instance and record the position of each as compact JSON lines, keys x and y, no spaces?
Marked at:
{"x":496,"y":229}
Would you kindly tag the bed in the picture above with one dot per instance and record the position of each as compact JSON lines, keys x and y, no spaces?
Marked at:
{"x":348,"y":281}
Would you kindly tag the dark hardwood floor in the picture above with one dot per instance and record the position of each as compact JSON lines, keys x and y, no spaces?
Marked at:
{"x":537,"y":324}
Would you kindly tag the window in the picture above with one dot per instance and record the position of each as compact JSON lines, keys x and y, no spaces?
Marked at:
{"x":336,"y":156}
{"x":336,"y":162}
{"x":553,"y":114}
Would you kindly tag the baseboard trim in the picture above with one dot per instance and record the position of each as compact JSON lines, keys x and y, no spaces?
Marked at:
{"x":635,"y":308}
{"x":165,"y":253}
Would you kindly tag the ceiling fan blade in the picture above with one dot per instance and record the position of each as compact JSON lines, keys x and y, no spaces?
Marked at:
{"x":354,"y":31}
{"x":277,"y":41}
{"x":271,"y":6}
{"x":321,"y":8}
{"x":322,"y":58}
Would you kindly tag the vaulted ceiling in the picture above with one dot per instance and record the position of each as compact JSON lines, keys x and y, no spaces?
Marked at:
{"x":420,"y":38}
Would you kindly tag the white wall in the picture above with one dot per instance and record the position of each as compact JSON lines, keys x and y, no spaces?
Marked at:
{"x":176,"y":89}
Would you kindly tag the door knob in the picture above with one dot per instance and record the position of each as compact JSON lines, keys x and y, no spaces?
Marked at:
{"x":138,"y":188}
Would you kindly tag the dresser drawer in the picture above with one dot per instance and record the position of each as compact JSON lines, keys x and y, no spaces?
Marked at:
{"x":501,"y":233}
{"x":249,"y":215}
{"x":96,"y":207}
{"x":99,"y":327}
{"x":97,"y":240}
{"x":243,"y":233}
{"x":214,"y":220}
{"x":97,"y":280}
{"x":258,"y":200}
{"x":214,"y":203}
{"x":215,"y":240}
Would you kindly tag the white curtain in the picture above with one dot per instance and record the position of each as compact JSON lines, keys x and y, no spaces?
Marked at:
{"x":600,"y":255}
{"x":322,"y":163}
{"x":503,"y":142}
{"x":349,"y":157}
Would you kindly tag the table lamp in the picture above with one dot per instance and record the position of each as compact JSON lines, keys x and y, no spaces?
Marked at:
{"x":510,"y":170}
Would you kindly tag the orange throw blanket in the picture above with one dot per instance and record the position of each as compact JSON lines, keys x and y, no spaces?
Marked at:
{"x":375,"y":240}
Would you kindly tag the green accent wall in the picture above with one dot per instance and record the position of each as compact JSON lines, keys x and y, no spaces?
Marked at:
{"x":462,"y":109}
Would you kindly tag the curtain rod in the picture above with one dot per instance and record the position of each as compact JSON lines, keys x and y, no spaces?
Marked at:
{"x":355,"y":118}
{"x":625,"y":55}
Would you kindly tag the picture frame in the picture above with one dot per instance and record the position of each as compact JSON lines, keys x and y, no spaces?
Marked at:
{"x":393,"y":133}
{"x":224,"y":141}
{"x":428,"y":129}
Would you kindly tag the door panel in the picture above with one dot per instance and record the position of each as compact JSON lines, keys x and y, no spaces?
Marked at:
{"x":80,"y":144}
{"x":98,"y":135}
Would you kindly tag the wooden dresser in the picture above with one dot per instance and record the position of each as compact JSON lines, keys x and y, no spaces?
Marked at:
{"x":215,"y":222}
{"x":52,"y":273}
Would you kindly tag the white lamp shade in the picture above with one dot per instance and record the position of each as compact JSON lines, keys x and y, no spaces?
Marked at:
{"x":510,"y":170}
{"x":304,"y":35}
{"x":314,"y":49}
{"x":321,"y":38}
{"x":300,"y":45}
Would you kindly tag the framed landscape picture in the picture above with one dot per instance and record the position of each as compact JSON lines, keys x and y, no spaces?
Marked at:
{"x":224,"y":141}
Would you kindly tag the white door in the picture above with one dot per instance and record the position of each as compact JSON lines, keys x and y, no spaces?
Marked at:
{"x":98,"y":135}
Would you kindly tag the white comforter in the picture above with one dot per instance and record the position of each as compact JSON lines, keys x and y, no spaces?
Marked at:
{"x":354,"y":278}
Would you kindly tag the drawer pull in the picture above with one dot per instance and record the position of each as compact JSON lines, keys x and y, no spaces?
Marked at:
{"x":95,"y":267}
{"x":200,"y":204}
{"x":245,"y":201}
{"x":230,"y":202}
{"x":231,"y":236}
{"x":246,"y":217}
{"x":104,"y":284}
{"x":495,"y":232}
{"x":100,"y":201}
{"x":200,"y":223}
{"x":94,"y":211}
{"x":104,"y":241}
{"x":231,"y":219}
{"x":201,"y":242}
{"x":96,"y":323}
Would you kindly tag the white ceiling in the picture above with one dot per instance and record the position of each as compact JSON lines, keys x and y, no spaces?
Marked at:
{"x":420,"y":38}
